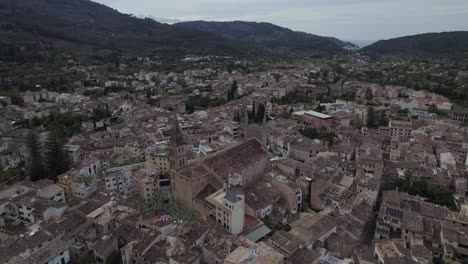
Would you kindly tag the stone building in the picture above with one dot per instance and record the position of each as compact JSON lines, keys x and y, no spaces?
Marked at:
{"x":459,"y":114}
{"x":400,"y":128}
{"x":248,"y":159}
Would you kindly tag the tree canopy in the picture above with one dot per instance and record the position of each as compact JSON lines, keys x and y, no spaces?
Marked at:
{"x":36,"y":166}
{"x":57,"y":159}
{"x":440,"y":195}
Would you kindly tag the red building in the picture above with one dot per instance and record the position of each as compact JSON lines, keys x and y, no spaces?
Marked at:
{"x":315,"y":119}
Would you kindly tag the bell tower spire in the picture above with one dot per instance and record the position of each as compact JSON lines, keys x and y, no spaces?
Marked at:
{"x":177,"y":146}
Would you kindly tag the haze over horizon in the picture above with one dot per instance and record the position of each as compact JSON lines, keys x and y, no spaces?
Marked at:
{"x":344,"y":19}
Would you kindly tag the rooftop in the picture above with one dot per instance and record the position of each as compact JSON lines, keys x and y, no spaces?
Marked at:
{"x":232,"y":191}
{"x":235,"y":159}
{"x":312,"y":113}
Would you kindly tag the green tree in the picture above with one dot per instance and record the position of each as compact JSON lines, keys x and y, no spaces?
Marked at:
{"x":156,"y":80}
{"x":357,"y":122}
{"x":408,"y":175}
{"x":440,"y":195}
{"x":328,"y":137}
{"x":234,"y":89}
{"x":277,"y":77}
{"x":260,"y":113}
{"x":36,"y":167}
{"x":12,"y":175}
{"x":320,"y":108}
{"x":232,"y":92}
{"x":148,"y":93}
{"x":432,"y":108}
{"x":57,"y":159}
{"x":438,"y":260}
{"x":369,"y":95}
{"x":84,"y":260}
{"x":371,"y":118}
{"x":403,"y":112}
{"x":229,"y":96}
{"x":154,"y":102}
{"x":114,"y":258}
{"x":383,"y":121}
{"x":100,"y":113}
{"x":253,"y":113}
{"x":161,"y":200}
{"x":311,"y":133}
{"x":237,"y":116}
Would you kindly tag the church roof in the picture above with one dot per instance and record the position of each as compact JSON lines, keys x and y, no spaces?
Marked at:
{"x":235,"y":159}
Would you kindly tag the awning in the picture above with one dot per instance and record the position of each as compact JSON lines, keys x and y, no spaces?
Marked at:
{"x":258,"y":233}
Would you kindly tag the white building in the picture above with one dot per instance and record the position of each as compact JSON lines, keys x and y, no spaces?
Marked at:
{"x":33,"y":201}
{"x":82,"y":188}
{"x":233,"y":129}
{"x":90,"y":167}
{"x":52,"y":192}
{"x":229,"y":204}
{"x":119,"y":180}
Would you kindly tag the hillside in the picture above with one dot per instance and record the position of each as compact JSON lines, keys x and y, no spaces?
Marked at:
{"x":269,"y":36}
{"x":83,"y":25}
{"x":445,"y":43}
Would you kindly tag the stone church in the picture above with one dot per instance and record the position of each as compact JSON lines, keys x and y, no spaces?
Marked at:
{"x":192,"y":183}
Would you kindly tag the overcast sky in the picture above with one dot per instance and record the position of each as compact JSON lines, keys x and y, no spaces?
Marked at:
{"x":344,"y":19}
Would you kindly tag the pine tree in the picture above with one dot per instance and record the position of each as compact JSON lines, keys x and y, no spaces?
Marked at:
{"x":383,"y":121}
{"x":369,"y":95}
{"x":148,"y":93}
{"x":36,"y":167}
{"x":234,"y":90}
{"x":58,"y":160}
{"x":229,"y":96}
{"x":232,"y":93}
{"x":253,"y":113}
{"x":371,"y":118}
{"x":260,"y":113}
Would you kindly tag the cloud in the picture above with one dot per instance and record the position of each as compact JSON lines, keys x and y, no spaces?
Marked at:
{"x":166,"y":20}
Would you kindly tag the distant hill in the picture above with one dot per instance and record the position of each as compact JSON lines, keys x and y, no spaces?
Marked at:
{"x":83,"y":25}
{"x":362,"y":43}
{"x":445,"y":43}
{"x":269,"y":36}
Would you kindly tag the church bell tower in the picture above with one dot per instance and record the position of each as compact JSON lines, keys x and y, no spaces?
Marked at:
{"x":177,"y":148}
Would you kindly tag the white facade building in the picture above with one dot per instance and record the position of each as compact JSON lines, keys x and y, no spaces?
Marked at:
{"x":119,"y":180}
{"x":229,"y":204}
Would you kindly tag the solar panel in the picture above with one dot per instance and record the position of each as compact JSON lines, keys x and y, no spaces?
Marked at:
{"x":383,"y":223}
{"x":394,"y":213}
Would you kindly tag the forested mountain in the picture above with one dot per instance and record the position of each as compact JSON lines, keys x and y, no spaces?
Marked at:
{"x":30,"y":29}
{"x":445,"y":43}
{"x":27,"y":26}
{"x":269,"y":36}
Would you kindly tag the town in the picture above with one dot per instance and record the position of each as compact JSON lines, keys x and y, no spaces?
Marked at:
{"x":218,"y":160}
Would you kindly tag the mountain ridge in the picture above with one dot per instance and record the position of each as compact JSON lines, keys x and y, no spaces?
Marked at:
{"x":83,"y":24}
{"x":434,"y":43}
{"x":268,"y":35}
{"x":84,"y":27}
